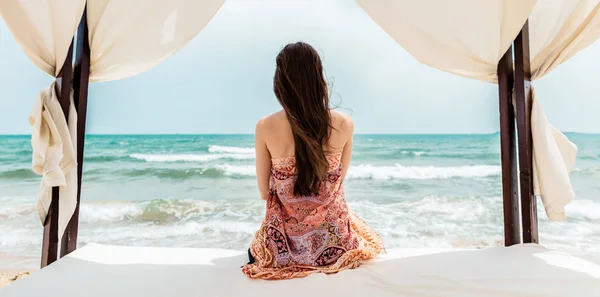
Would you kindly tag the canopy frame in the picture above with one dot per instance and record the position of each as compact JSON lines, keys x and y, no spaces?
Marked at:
{"x":80,"y":89}
{"x":517,"y":81}
{"x":525,"y":143}
{"x":508,"y":150}
{"x":515,"y":129}
{"x":78,"y":79}
{"x":50,"y":237}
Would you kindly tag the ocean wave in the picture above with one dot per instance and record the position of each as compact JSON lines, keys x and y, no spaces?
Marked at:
{"x":190,"y":157}
{"x":396,"y":172}
{"x":103,"y":158}
{"x":17,"y":174}
{"x":442,"y":155}
{"x":390,"y":172}
{"x":218,"y":171}
{"x":413,"y":153}
{"x":419,"y":172}
{"x":171,"y":210}
{"x":230,"y":149}
{"x":587,"y":170}
{"x":237,"y":170}
{"x":430,"y":221}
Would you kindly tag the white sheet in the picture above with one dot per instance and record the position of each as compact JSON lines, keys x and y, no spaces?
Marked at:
{"x":524,"y":270}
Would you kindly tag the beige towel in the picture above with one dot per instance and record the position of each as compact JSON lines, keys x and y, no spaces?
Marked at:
{"x":553,"y":158}
{"x":54,"y":154}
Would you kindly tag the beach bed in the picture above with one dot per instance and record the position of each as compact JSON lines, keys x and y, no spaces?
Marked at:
{"x":521,"y":270}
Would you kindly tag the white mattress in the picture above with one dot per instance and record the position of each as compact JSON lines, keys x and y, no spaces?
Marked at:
{"x":110,"y":271}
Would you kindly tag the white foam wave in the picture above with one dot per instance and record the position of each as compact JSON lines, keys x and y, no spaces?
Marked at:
{"x":168,"y":210}
{"x":587,"y":209}
{"x":389,"y":172}
{"x":110,"y":212}
{"x":432,"y":221}
{"x":417,"y":153}
{"x":237,"y":170}
{"x":230,"y":149}
{"x":418,"y":172}
{"x":190,"y":157}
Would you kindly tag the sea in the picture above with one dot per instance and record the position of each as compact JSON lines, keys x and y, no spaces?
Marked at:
{"x":440,"y":191}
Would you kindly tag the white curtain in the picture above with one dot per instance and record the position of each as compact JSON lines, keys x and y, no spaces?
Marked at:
{"x":468,"y":38}
{"x":44,"y":30}
{"x":558,"y":30}
{"x":463,"y":37}
{"x":132,"y":36}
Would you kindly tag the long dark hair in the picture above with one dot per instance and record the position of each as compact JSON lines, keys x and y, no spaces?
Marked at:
{"x":301,"y":89}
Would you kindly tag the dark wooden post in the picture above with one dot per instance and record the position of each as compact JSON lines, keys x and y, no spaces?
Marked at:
{"x":80,"y":86}
{"x":523,"y":106}
{"x":508,"y":150}
{"x":50,"y":239}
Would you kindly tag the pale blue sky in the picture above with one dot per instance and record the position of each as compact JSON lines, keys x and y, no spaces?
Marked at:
{"x":221,"y":82}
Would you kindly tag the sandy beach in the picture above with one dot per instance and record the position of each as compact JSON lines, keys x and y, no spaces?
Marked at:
{"x":10,"y":275}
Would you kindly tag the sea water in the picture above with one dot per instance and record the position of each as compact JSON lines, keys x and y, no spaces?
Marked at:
{"x":200,"y":191}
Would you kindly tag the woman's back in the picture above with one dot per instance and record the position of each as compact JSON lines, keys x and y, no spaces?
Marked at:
{"x":302,"y":155}
{"x":280,"y":139}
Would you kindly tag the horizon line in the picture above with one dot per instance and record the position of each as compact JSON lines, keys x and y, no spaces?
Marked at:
{"x":247,"y":134}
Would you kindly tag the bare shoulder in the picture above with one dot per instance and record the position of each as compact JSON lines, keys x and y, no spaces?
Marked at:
{"x":266,"y":123}
{"x":342,"y":122}
{"x":261,"y":125}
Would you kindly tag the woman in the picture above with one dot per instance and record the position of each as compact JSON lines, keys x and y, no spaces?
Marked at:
{"x":302,"y":156}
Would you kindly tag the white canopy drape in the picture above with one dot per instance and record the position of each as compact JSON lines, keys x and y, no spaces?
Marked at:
{"x":44,"y":30}
{"x":558,"y":30}
{"x":463,"y":37}
{"x":130,"y":37}
{"x":126,"y":38}
{"x":468,"y":38}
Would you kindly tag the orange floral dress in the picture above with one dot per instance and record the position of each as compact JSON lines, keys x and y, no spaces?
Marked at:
{"x":303,"y":235}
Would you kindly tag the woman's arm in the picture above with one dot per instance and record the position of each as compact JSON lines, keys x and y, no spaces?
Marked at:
{"x":263,"y":160}
{"x":348,"y":130}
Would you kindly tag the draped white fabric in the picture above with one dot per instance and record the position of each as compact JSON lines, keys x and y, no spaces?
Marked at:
{"x":558,"y":30}
{"x":130,"y":37}
{"x":54,"y":140}
{"x":468,"y":38}
{"x":463,"y":37}
{"x":44,"y":30}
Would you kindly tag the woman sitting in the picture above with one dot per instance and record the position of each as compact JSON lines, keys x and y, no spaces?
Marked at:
{"x":302,"y":155}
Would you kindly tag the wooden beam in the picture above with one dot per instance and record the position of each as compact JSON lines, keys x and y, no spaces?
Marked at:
{"x":50,"y":237}
{"x":523,"y":104}
{"x":508,"y":151}
{"x":80,"y":86}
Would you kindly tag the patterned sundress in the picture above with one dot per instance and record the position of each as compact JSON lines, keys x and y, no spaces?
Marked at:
{"x":304,"y":235}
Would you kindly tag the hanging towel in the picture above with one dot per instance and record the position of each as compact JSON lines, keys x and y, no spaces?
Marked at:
{"x":54,"y":154}
{"x":553,"y":158}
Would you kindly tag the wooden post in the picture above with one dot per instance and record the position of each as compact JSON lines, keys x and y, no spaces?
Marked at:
{"x":508,"y":151}
{"x":523,"y":106}
{"x":50,"y":239}
{"x":80,"y":86}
